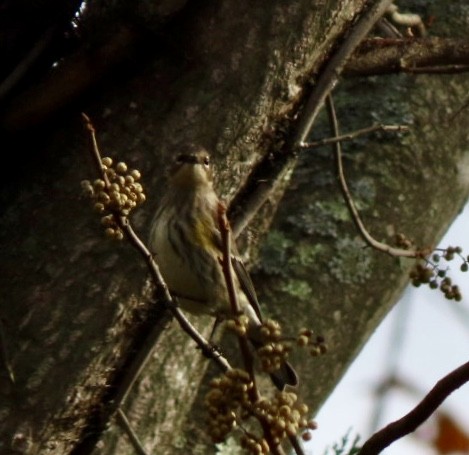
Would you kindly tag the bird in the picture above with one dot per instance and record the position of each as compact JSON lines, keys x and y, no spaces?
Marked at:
{"x":186,"y":242}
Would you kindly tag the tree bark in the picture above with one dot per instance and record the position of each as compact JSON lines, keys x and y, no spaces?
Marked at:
{"x":388,"y":56}
{"x":226,"y":75}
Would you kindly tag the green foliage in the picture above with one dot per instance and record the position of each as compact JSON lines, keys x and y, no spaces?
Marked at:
{"x":345,"y":446}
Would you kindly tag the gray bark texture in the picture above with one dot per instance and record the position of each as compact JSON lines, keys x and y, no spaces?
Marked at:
{"x":230,"y":75}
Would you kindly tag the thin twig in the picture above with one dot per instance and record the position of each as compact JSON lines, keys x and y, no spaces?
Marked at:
{"x":399,"y":252}
{"x":387,"y":29}
{"x":396,"y":430}
{"x":236,"y":310}
{"x":233,"y":297}
{"x":437,"y":69}
{"x":124,"y":423}
{"x":295,"y":443}
{"x":355,"y":134}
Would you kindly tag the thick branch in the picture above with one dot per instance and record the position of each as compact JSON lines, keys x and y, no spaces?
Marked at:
{"x":387,"y":56}
{"x":396,"y":430}
{"x":264,"y":177}
{"x":64,"y":84}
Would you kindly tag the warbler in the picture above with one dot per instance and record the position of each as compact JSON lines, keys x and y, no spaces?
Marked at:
{"x":186,"y":242}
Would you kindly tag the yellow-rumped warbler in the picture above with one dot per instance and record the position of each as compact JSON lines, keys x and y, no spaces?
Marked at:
{"x":186,"y":241}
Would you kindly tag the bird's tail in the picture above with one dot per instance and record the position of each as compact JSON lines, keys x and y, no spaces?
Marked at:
{"x":284,"y":376}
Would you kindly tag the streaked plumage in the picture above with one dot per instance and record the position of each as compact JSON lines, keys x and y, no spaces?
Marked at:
{"x":186,"y":241}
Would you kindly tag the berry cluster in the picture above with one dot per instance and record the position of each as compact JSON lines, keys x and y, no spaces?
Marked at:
{"x":275,"y":349}
{"x":429,"y":272}
{"x":285,"y":415}
{"x":115,"y":195}
{"x":227,"y":400}
{"x":451,"y":291}
{"x":316,"y":343}
{"x":229,"y":403}
{"x":239,"y":325}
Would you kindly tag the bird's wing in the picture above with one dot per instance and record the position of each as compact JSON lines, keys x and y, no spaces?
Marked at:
{"x":246,"y":284}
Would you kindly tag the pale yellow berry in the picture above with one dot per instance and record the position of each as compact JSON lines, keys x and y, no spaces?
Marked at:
{"x":302,"y":341}
{"x":107,"y":220}
{"x":121,"y":167}
{"x":107,"y":161}
{"x":111,"y":174}
{"x":135,"y":174}
{"x":110,"y":232}
{"x":103,"y":197}
{"x":99,"y":207}
{"x":291,"y":429}
{"x":99,"y":185}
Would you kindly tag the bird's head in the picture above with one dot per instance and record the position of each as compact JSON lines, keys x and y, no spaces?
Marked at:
{"x":191,"y":168}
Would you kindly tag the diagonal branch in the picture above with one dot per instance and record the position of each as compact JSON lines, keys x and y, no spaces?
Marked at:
{"x":276,"y":164}
{"x":396,"y":430}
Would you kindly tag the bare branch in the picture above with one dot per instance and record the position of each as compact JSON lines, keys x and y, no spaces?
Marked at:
{"x":330,"y":75}
{"x":349,"y":200}
{"x":235,"y":308}
{"x":275,"y":164}
{"x":443,"y":69}
{"x":355,"y":134}
{"x":409,"y":55}
{"x":396,"y":430}
{"x":124,"y":423}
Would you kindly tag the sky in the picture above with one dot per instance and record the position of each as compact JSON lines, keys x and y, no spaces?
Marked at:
{"x":428,"y":337}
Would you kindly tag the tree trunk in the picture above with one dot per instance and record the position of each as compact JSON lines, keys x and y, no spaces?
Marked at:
{"x":229,"y":75}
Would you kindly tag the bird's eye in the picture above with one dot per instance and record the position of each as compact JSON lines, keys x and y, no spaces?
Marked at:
{"x":206,"y":161}
{"x":180,"y":158}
